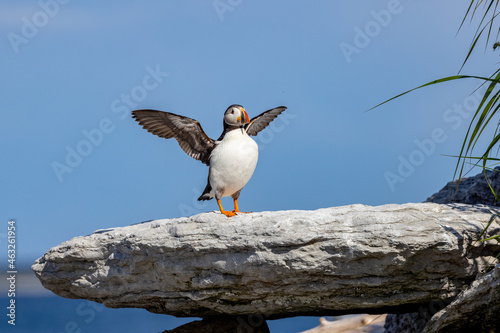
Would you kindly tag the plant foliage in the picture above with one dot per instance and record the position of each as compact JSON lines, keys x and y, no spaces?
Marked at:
{"x":487,"y":113}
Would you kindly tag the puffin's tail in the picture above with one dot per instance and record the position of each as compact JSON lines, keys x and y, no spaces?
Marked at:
{"x":208,"y":193}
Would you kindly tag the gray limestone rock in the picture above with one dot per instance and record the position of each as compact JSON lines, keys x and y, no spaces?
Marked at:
{"x":474,"y":310}
{"x":278,"y":264}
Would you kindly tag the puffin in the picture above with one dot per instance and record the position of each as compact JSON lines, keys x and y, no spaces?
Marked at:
{"x":231,"y":158}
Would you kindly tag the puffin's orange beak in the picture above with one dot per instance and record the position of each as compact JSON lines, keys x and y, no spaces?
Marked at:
{"x":243,"y":119}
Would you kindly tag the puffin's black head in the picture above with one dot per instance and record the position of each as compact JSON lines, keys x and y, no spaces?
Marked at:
{"x":236,"y":115}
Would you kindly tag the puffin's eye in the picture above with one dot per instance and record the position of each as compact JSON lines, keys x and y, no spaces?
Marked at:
{"x":232,"y":111}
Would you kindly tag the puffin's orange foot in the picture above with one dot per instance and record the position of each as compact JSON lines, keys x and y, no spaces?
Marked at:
{"x":236,"y":209}
{"x":228,"y":214}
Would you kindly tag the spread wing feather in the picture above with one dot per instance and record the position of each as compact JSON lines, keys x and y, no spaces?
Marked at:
{"x":188,"y":132}
{"x":261,"y":121}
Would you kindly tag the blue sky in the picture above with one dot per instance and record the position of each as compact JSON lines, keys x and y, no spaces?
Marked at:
{"x":72,"y":71}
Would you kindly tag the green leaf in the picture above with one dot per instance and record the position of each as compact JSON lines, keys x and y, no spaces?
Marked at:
{"x":445,"y":79}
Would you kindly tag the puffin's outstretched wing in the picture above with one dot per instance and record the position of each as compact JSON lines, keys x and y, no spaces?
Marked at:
{"x":186,"y":131}
{"x":261,"y":121}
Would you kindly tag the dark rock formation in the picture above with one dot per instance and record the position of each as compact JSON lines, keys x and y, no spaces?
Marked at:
{"x":471,"y":190}
{"x":224,"y":324}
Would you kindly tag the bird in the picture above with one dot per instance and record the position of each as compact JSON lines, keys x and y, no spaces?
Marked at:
{"x":231,"y":158}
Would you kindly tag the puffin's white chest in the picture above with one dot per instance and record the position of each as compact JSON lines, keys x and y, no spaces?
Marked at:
{"x":232,"y":162}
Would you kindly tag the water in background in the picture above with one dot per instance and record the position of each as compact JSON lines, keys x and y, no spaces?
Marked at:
{"x":53,"y":314}
{"x":39,"y":310}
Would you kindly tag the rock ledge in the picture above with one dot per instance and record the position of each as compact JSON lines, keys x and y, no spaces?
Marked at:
{"x":330,"y":261}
